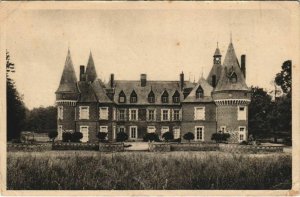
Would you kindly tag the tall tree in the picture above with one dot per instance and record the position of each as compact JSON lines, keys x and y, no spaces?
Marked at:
{"x":15,"y":106}
{"x":284,"y":78}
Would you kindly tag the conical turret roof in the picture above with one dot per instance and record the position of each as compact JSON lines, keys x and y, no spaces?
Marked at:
{"x":217,"y":52}
{"x":90,"y":69}
{"x":231,"y":76}
{"x":68,"y":78}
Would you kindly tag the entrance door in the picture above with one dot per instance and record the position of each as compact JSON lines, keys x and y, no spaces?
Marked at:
{"x":85,"y":133}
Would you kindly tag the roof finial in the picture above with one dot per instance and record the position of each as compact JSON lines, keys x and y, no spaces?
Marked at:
{"x":202,"y":72}
{"x":230,"y":37}
{"x":217,"y":44}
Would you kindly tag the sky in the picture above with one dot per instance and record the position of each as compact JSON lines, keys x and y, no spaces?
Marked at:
{"x":128,"y":42}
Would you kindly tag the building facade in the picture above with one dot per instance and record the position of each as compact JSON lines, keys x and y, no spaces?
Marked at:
{"x":218,"y":103}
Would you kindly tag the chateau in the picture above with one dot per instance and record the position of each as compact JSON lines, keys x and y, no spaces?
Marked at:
{"x":217,"y":103}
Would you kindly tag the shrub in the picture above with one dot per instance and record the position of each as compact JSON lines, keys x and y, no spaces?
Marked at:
{"x":189,"y":136}
{"x":76,"y":137}
{"x":52,"y":135}
{"x":220,"y":137}
{"x":151,"y":137}
{"x":244,"y":143}
{"x":102,"y":136}
{"x":16,"y":141}
{"x":168,"y":136}
{"x":66,"y":136}
{"x":121,"y":137}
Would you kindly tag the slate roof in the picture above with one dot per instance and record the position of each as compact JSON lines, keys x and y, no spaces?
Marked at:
{"x":217,"y":52}
{"x":68,"y":78}
{"x":92,"y":92}
{"x":90,"y":69}
{"x":158,"y":87}
{"x":230,"y":66}
{"x":207,"y":89}
{"x":100,"y":92}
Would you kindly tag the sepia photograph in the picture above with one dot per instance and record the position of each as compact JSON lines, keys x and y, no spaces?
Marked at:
{"x":127,"y":96}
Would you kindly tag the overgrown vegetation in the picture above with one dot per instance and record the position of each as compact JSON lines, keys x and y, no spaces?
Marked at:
{"x":68,"y":170}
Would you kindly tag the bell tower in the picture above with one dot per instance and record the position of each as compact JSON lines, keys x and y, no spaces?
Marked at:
{"x":217,"y":56}
{"x":215,"y":72}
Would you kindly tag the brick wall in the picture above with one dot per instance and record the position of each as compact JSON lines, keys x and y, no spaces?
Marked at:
{"x":68,"y":117}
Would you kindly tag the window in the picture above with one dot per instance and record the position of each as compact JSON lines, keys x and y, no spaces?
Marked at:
{"x":151,"y":129}
{"x":133,"y":114}
{"x":199,"y":133}
{"x":60,"y":112}
{"x":176,"y":132}
{"x":114,"y":113}
{"x":233,"y":77}
{"x":223,"y":129}
{"x":133,"y":132}
{"x":242,"y":133}
{"x":151,"y":114}
{"x":199,"y":92}
{"x":133,"y":97}
{"x":103,"y":129}
{"x":103,"y":113}
{"x":114,"y":132}
{"x":122,"y":129}
{"x":165,"y":97}
{"x":85,"y":132}
{"x":199,"y":113}
{"x":165,"y":114}
{"x":59,"y":131}
{"x":176,"y":97}
{"x":242,"y":112}
{"x":122,"y":97}
{"x":176,"y":114}
{"x":151,"y":97}
{"x":83,"y":112}
{"x":164,"y":129}
{"x":122,"y":114}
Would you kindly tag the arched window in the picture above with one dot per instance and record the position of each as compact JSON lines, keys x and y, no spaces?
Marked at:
{"x":151,"y":97}
{"x":176,"y":97}
{"x":133,"y":97}
{"x":122,"y":97}
{"x":165,"y":97}
{"x":233,"y":77}
{"x":199,"y":92}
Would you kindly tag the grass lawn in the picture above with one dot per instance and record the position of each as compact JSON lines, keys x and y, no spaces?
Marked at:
{"x":94,"y":170}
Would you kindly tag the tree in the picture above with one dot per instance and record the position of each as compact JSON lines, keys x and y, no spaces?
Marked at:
{"x":76,"y":136}
{"x":15,"y":106}
{"x":121,"y":137}
{"x":151,"y":137}
{"x":284,"y":78}
{"x":101,"y":136}
{"x":168,"y":136}
{"x":52,"y":135}
{"x":189,"y":136}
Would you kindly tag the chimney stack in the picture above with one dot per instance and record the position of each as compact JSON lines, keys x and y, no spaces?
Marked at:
{"x":143,"y":80}
{"x":112,"y":80}
{"x":82,"y":74}
{"x":181,"y":80}
{"x":243,"y":65}
{"x":214,"y":81}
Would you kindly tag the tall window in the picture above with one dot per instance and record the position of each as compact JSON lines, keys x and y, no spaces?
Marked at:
{"x":176,"y":132}
{"x":242,"y":133}
{"x":60,"y":112}
{"x":151,"y":114}
{"x":122,"y":114}
{"x":133,"y":132}
{"x":59,"y":131}
{"x":165,"y":114}
{"x":122,"y":97}
{"x":151,"y":97}
{"x":199,"y":113}
{"x":103,"y":113}
{"x":83,"y":112}
{"x":85,"y":133}
{"x":165,"y":97}
{"x":133,"y":114}
{"x":176,"y":114}
{"x":176,"y":97}
{"x":199,"y":92}
{"x":242,"y":112}
{"x":122,"y":129}
{"x":199,"y":133}
{"x":133,"y":97}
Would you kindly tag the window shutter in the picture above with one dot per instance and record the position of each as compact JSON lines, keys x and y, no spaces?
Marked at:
{"x":154,"y":115}
{"x":172,"y":114}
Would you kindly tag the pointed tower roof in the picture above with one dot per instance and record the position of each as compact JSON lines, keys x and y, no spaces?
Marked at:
{"x":231,"y":68}
{"x":207,"y":89}
{"x":68,"y":78}
{"x":217,"y":52}
{"x":90,"y":69}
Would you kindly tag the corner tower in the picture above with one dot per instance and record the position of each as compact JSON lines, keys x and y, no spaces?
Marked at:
{"x":66,"y":98}
{"x":232,"y":97}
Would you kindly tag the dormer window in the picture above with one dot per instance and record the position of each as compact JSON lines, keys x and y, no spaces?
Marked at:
{"x":151,"y":97}
{"x":165,"y":97}
{"x":199,"y":92}
{"x":122,"y":97}
{"x":133,"y":97}
{"x":176,"y":97}
{"x":233,"y":78}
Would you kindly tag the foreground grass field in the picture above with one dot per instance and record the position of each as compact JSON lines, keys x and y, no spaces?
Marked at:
{"x":67,"y":170}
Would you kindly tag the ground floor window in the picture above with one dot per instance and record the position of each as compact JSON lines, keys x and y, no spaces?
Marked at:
{"x":242,"y":133}
{"x":164,"y":129}
{"x":85,"y":133}
{"x":59,"y":131}
{"x":133,"y":132}
{"x":103,"y":129}
{"x":199,"y":133}
{"x":151,"y":129}
{"x":176,"y":133}
{"x":223,"y":129}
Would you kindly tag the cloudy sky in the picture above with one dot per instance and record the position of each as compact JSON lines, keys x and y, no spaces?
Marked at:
{"x":128,"y":42}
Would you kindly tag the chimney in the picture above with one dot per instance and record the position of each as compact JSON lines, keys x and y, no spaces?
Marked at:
{"x":143,"y":80}
{"x":243,"y":65}
{"x":181,"y":80}
{"x":214,"y":81}
{"x":82,"y":74}
{"x":112,"y":80}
